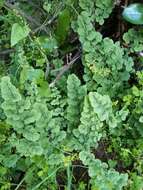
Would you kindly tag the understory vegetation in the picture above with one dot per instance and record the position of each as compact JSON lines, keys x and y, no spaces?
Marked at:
{"x":71,"y":96}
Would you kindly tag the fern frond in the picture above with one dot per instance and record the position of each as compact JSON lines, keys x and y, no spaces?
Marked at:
{"x":76,"y":94}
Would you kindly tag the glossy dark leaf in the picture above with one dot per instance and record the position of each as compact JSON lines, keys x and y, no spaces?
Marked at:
{"x":63,"y":26}
{"x":134,"y":13}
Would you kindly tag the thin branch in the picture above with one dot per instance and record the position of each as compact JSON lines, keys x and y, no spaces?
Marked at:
{"x":48,"y":22}
{"x":65,"y":68}
{"x":20,"y":184}
{"x":46,"y":178}
{"x":37,"y":7}
{"x":7,"y":51}
{"x":23,"y":14}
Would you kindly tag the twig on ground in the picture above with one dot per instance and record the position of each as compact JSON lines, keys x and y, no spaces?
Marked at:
{"x":7,"y":51}
{"x":48,"y":22}
{"x":65,"y":68}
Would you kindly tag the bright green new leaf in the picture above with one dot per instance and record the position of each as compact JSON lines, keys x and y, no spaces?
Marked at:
{"x":30,"y":74}
{"x":44,"y":89}
{"x":31,"y":135}
{"x":137,"y":182}
{"x":1,"y":3}
{"x":48,"y":44}
{"x":18,"y":33}
{"x":11,"y":160}
{"x":47,"y":7}
{"x":141,"y":119}
{"x":102,"y":105}
{"x":37,"y":76}
{"x":8,"y":91}
{"x":134,"y":13}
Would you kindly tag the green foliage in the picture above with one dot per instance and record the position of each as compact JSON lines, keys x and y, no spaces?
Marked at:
{"x":99,"y":10}
{"x":103,"y":10}
{"x":137,"y":182}
{"x":107,"y":65}
{"x":63,"y":25}
{"x":48,"y":44}
{"x":89,"y":131}
{"x":101,"y":177}
{"x":18,"y":33}
{"x":135,"y":97}
{"x":29,"y":115}
{"x":133,"y":38}
{"x":1,"y":3}
{"x":76,"y":94}
{"x":102,"y":105}
{"x":35,"y":76}
{"x":71,"y":96}
{"x":33,"y":124}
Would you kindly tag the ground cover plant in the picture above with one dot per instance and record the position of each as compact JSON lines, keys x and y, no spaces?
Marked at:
{"x":71,"y":95}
